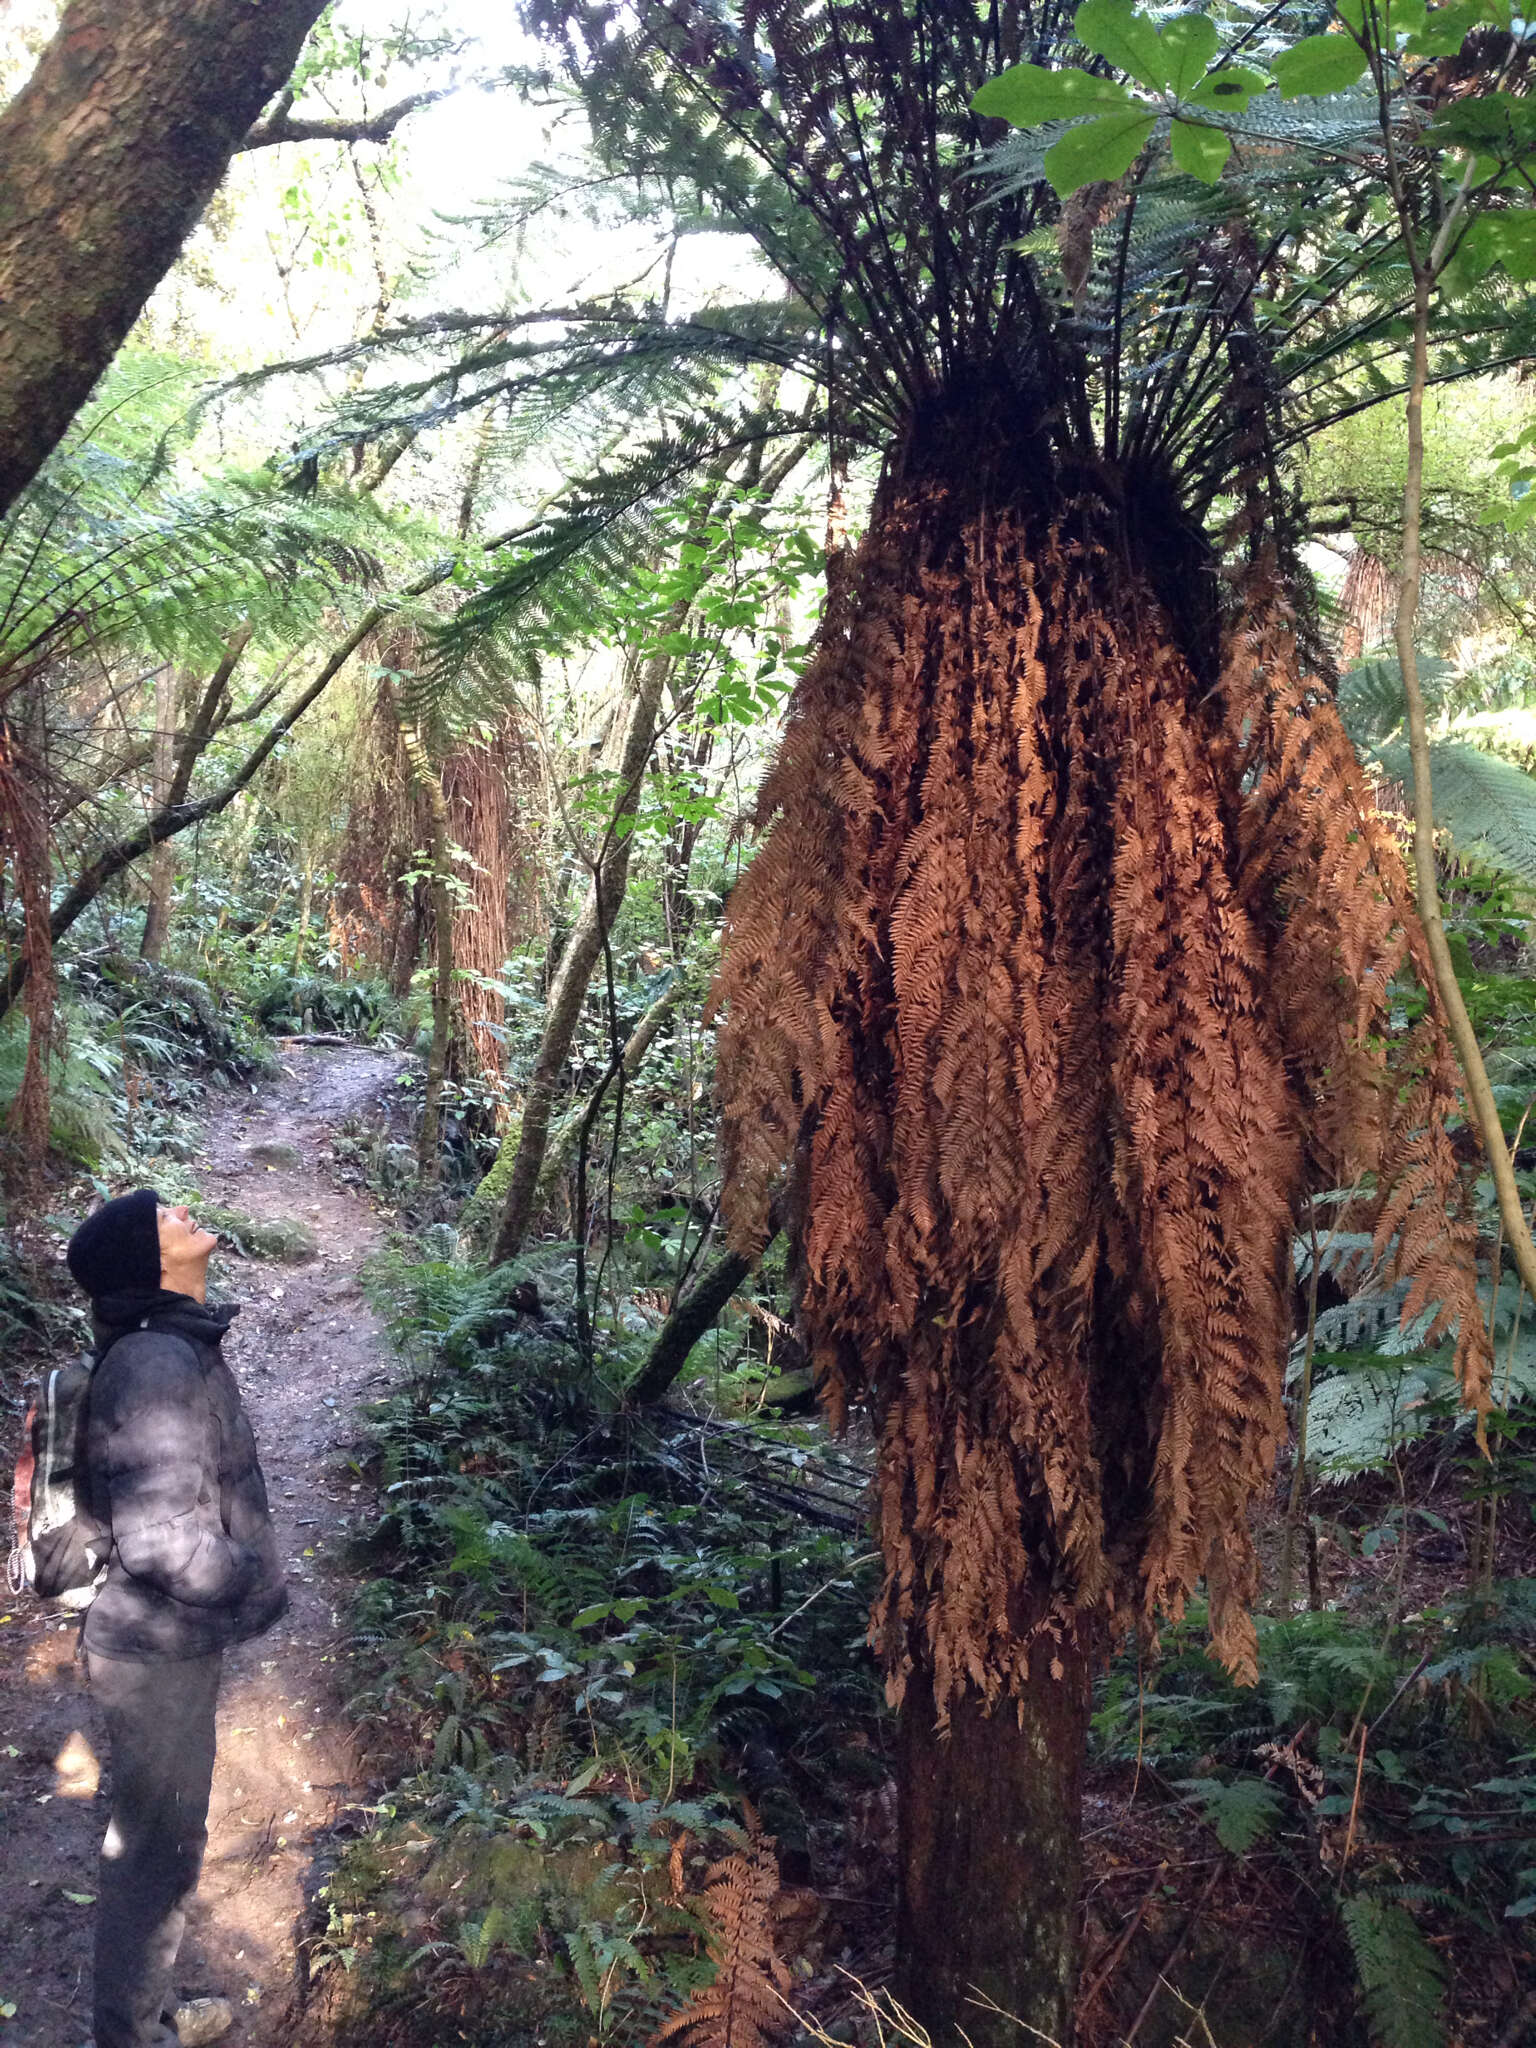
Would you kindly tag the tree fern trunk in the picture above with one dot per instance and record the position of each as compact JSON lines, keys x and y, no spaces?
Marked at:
{"x":991,"y":1861}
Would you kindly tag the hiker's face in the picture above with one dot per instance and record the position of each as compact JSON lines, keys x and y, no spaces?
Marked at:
{"x":184,"y":1245}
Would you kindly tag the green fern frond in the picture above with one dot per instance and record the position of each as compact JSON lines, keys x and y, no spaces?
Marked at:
{"x":1241,"y":1810}
{"x":1487,"y":806}
{"x":1402,"y":1980}
{"x":1371,"y":699}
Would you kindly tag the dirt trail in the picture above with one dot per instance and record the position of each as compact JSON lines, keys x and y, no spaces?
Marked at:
{"x":307,"y":1353}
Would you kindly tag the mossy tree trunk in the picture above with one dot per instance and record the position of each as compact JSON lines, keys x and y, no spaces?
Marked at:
{"x":108,"y":156}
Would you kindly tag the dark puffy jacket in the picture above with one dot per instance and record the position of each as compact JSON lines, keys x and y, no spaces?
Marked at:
{"x":172,"y":1469}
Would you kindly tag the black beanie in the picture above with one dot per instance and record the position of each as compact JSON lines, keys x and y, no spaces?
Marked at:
{"x":117,"y":1250}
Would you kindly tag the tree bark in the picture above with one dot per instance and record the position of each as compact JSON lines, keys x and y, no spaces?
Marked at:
{"x":991,"y":1859}
{"x":108,"y":156}
{"x":430,"y":782}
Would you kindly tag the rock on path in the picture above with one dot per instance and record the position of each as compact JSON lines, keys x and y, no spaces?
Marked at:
{"x":308,"y":1353}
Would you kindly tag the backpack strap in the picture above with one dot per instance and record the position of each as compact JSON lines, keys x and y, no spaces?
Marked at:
{"x":21,"y":1509}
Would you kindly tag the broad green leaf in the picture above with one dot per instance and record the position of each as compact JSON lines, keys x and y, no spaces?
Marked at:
{"x":1493,"y":239}
{"x":1405,"y":17}
{"x":1318,"y":64}
{"x":1113,"y":29}
{"x":1446,"y":27}
{"x":1105,"y":148}
{"x":1199,"y":151}
{"x":1189,"y":44}
{"x":1029,"y":93}
{"x":1515,"y":242}
{"x":1496,"y":123}
{"x":1234,"y":85}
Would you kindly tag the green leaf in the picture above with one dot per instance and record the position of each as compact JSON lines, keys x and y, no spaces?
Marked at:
{"x":1189,"y":44}
{"x":1494,"y":123}
{"x":1113,"y":29}
{"x":1105,"y":148}
{"x":1199,"y":151}
{"x":1447,"y":28}
{"x":1492,"y":239}
{"x":1488,"y":806}
{"x":1232,"y":85}
{"x":1318,"y":64}
{"x":1029,"y":93}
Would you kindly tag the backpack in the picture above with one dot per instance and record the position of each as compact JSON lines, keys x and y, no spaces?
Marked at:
{"x":60,"y":1548}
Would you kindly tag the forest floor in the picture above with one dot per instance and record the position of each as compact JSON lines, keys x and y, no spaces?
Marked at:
{"x":307,"y":1352}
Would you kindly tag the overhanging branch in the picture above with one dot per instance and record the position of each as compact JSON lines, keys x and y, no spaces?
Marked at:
{"x":281,"y":125}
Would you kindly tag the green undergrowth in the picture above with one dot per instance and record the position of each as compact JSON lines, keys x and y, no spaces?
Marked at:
{"x":1387,"y":1772}
{"x":284,"y":1002}
{"x":591,"y":1638}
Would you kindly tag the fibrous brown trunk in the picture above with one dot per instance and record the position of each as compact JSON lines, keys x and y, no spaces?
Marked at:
{"x":429,"y":781}
{"x":108,"y":155}
{"x":1072,"y":912}
{"x":991,"y":1859}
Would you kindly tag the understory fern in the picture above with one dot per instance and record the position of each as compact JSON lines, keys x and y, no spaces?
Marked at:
{"x":1402,"y":1981}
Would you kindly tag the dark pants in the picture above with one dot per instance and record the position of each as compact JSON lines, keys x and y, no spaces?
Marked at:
{"x":159,"y":1720}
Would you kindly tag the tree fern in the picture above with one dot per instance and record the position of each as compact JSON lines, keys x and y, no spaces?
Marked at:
{"x":1371,"y":700}
{"x":87,"y":556}
{"x":1402,"y":1980}
{"x":1487,"y":806}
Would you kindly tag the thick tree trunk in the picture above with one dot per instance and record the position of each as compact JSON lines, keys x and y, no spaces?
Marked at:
{"x":108,"y":155}
{"x":991,"y":1859}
